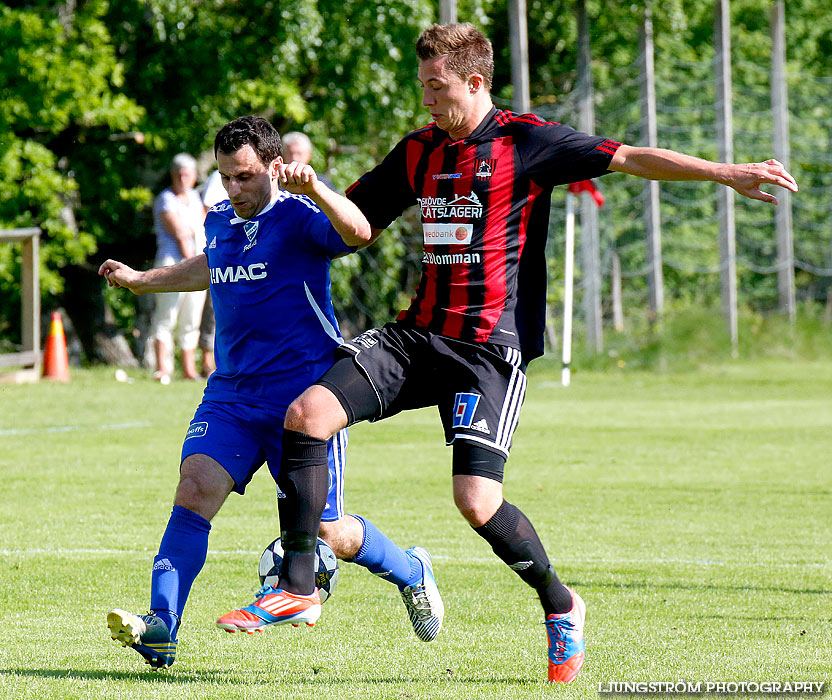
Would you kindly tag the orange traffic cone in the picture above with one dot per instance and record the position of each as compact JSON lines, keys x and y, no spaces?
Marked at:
{"x":55,"y":358}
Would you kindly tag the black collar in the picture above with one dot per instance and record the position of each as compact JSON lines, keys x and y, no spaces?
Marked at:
{"x":481,"y":133}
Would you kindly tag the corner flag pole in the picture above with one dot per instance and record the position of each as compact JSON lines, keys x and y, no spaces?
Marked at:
{"x":575,"y":188}
{"x":568,"y":283}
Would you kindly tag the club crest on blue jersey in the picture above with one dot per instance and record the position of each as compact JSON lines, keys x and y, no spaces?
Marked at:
{"x":250,"y":229}
{"x":464,"y":407}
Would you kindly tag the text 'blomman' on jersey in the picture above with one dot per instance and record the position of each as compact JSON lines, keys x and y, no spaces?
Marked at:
{"x":450,"y":259}
{"x":238,"y":273}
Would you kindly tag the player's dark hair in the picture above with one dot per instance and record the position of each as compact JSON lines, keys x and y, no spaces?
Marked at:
{"x":255,"y":131}
{"x":467,"y":49}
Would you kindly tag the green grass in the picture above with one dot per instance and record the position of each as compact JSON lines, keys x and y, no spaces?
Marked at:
{"x":691,"y":337}
{"x":691,"y":510}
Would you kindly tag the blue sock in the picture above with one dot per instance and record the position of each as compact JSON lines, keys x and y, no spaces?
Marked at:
{"x":382,"y":557}
{"x":181,"y":557}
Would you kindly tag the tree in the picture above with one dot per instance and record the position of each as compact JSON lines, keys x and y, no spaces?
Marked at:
{"x":59,"y":87}
{"x":348,"y":81}
{"x":97,"y":96}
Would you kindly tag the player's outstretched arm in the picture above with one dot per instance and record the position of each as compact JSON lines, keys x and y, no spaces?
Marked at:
{"x":663,"y":164}
{"x":347,"y":219}
{"x":190,"y":275}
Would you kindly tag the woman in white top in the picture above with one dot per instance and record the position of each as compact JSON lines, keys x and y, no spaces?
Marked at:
{"x":178,"y":221}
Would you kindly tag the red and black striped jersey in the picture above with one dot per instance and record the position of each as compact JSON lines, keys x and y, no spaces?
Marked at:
{"x":485,"y":211}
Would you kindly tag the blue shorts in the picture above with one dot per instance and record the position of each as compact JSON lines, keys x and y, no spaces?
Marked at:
{"x":241,"y":438}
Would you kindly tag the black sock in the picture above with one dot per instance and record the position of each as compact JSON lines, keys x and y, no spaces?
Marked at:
{"x":304,"y":481}
{"x":298,"y":562}
{"x":513,"y":539}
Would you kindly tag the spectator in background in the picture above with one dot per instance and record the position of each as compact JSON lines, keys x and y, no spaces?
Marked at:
{"x":297,"y":146}
{"x":212,"y":191}
{"x":178,"y":221}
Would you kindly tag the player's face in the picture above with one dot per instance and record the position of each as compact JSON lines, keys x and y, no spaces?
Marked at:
{"x":247,"y":180}
{"x":448,"y":97}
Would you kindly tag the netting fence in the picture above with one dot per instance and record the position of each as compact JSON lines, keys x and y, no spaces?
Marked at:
{"x":686,"y":116}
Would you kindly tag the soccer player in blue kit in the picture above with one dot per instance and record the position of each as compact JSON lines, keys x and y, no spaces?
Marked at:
{"x":267,"y":262}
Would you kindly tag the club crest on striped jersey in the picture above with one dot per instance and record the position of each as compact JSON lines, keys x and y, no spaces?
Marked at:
{"x":484,"y":168}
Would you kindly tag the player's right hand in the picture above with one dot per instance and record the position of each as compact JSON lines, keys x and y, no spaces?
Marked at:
{"x":746,"y":179}
{"x":297,"y":178}
{"x":119,"y":275}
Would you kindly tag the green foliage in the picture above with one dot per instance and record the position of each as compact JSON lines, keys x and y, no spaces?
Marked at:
{"x":95,"y":97}
{"x":59,"y":83}
{"x":689,"y":338}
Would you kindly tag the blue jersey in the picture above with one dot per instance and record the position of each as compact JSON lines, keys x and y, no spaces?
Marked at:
{"x":275,"y":325}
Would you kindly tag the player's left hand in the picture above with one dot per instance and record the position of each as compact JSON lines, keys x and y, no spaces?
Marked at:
{"x":297,"y":178}
{"x":747,"y":178}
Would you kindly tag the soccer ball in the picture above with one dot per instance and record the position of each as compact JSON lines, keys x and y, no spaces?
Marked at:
{"x":326,"y":567}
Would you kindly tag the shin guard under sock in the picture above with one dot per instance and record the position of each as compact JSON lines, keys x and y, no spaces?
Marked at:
{"x":514,"y":539}
{"x":384,"y":558}
{"x":181,"y":557}
{"x":304,"y":481}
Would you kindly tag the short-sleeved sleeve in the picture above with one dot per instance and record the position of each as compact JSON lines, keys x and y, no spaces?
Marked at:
{"x":384,"y":192}
{"x":320,"y":229}
{"x":165,"y":201}
{"x":557,"y":154}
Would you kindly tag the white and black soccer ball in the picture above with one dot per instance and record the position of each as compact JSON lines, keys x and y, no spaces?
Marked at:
{"x":326,"y":567}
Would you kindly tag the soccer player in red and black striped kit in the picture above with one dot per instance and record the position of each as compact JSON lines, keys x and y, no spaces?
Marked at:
{"x":483,"y":179}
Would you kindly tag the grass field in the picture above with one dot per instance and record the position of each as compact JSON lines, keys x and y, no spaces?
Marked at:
{"x":692,"y":511}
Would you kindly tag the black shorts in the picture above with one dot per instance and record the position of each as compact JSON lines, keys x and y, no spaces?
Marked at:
{"x":477,"y":387}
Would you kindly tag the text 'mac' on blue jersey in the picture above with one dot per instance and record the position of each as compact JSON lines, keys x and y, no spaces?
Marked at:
{"x":275,"y":325}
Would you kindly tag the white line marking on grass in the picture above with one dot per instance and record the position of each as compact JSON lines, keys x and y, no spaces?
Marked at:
{"x":655,"y":560}
{"x":59,"y":551}
{"x":70,"y":428}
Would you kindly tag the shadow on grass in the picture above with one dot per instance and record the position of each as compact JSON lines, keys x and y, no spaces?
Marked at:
{"x":291,"y":679}
{"x":760,"y":618}
{"x":152,"y":676}
{"x":682,"y":586}
{"x":450,"y":681}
